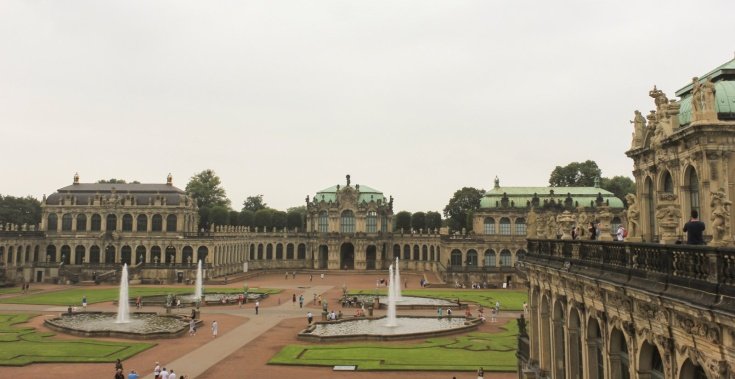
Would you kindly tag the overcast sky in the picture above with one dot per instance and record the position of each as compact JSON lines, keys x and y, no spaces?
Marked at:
{"x":280,"y":98}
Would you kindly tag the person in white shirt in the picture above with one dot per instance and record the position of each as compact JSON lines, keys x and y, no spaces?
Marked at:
{"x":157,"y":370}
{"x":215,"y":329}
{"x":172,"y":375}
{"x":164,"y":373}
{"x":621,"y":233}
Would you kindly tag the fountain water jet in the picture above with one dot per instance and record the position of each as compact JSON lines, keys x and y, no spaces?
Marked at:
{"x":198,"y":284}
{"x":391,"y":317}
{"x":123,"y":311}
{"x":397,"y":287}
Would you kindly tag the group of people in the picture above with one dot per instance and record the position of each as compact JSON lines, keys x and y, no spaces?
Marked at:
{"x":694,"y":228}
{"x":162,"y":373}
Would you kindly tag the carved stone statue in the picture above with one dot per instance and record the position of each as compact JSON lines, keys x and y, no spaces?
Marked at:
{"x":566,"y":220}
{"x":720,"y":218}
{"x":659,"y":99}
{"x":552,"y":229}
{"x":541,"y":227}
{"x":696,"y":98}
{"x":708,"y":101}
{"x":634,"y":216}
{"x":639,"y":127}
{"x":604,"y":216}
{"x":668,"y":217}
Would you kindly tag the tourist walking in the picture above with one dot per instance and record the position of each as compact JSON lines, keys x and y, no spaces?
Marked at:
{"x":119,"y":374}
{"x":257,"y":306}
{"x":171,"y":375}
{"x":311,"y":277}
{"x":480,"y":373}
{"x":157,"y":370}
{"x":593,"y":231}
{"x":309,"y":317}
{"x":301,"y":301}
{"x":192,"y":327}
{"x":215,"y":329}
{"x":164,"y":374}
{"x":293,"y":300}
{"x":620,"y":234}
{"x":133,"y":375}
{"x":694,"y":229}
{"x":84,"y":305}
{"x":138,"y":302}
{"x":439,"y":312}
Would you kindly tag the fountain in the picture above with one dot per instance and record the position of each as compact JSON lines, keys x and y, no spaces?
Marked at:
{"x":123,"y":304}
{"x":391,"y":317}
{"x":139,"y":325}
{"x":397,"y":286}
{"x":198,"y":284}
{"x":392,"y":328}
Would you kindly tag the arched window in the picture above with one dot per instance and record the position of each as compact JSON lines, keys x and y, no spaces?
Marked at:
{"x":82,"y":222}
{"x":269,"y":251}
{"x":668,"y":183}
{"x":348,"y":222}
{"x":396,"y":251}
{"x":301,"y":253}
{"x":619,"y":350}
{"x":489,"y":258}
{"x":471,"y":258}
{"x":323,"y":222}
{"x":650,"y":361}
{"x":50,"y":253}
{"x":126,"y":252}
{"x":260,"y":251}
{"x":111,"y":223}
{"x":53,"y":222}
{"x":424,"y":253}
{"x":94,"y":254}
{"x":171,"y":221}
{"x":127,"y":225}
{"x":110,"y":254}
{"x":156,"y":254}
{"x":289,"y":251}
{"x":505,"y":258}
{"x":693,"y":190}
{"x":520,"y":254}
{"x":142,"y":223}
{"x":489,"y":225}
{"x":406,"y":252}
{"x":372,"y":222}
{"x":456,"y":258}
{"x":157,"y":223}
{"x":279,"y":251}
{"x":66,"y":221}
{"x":252,"y":252}
{"x":521,"y":226}
{"x":140,"y":253}
{"x":431,"y":253}
{"x":384,"y":223}
{"x":505,"y":226}
{"x":96,"y":223}
{"x":202,"y":253}
{"x":416,"y":252}
{"x":79,"y":253}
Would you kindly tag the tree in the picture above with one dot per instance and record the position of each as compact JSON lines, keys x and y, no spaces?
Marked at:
{"x":620,"y":186}
{"x":402,"y":221}
{"x":20,"y":210}
{"x":295,"y":219}
{"x":433,"y":220}
{"x":234,"y":218}
{"x":206,"y":188}
{"x":575,"y":174}
{"x":219,"y":215}
{"x":280,"y":219}
{"x":263,"y":218}
{"x":464,"y":201}
{"x":254,"y":203}
{"x":247,"y":218}
{"x":418,"y":221}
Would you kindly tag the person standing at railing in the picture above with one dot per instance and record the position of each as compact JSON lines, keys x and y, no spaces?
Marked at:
{"x":694,"y":229}
{"x":593,"y":231}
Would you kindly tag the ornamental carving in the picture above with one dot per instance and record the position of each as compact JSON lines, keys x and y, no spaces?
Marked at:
{"x":698,"y":328}
{"x":620,"y":302}
{"x":652,"y":312}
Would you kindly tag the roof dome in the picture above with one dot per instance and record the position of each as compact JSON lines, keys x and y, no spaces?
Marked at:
{"x":723,"y":78}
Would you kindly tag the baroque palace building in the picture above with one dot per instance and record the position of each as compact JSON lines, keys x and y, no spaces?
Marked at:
{"x":89,"y":230}
{"x":650,"y":307}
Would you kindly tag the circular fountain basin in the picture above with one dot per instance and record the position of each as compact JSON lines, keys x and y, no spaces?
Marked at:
{"x":190,"y":300}
{"x":141,"y":326}
{"x":408,"y":302}
{"x":375,"y":329}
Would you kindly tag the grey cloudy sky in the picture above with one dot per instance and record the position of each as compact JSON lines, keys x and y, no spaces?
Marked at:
{"x":415,"y":98}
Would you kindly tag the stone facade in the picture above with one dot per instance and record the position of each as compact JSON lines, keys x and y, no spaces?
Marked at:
{"x":683,"y":158}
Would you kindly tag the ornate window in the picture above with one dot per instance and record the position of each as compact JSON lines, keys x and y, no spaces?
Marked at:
{"x":53,"y":222}
{"x":142,"y":223}
{"x":521,"y":226}
{"x":489,"y":225}
{"x":171,"y":221}
{"x":96,"y":224}
{"x":505,"y":226}
{"x":157,"y":223}
{"x":384,"y":223}
{"x":323,"y":222}
{"x":66,"y":221}
{"x":348,"y":222}
{"x":81,"y":222}
{"x":111,"y":223}
{"x":372,"y":222}
{"x":668,"y":183}
{"x":127,"y":223}
{"x":489,"y":258}
{"x":693,"y":190}
{"x":472,"y":258}
{"x":505,"y":259}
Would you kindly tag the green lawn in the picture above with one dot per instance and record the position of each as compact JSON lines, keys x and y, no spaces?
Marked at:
{"x":492,"y":351}
{"x":510,"y":300}
{"x":98,"y":295}
{"x":22,"y":346}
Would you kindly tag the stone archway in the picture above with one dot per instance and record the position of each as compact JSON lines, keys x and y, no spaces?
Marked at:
{"x":370,"y":257}
{"x":347,"y":256}
{"x":323,"y":256}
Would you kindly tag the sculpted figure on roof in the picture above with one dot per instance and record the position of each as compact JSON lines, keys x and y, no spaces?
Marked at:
{"x":639,"y":127}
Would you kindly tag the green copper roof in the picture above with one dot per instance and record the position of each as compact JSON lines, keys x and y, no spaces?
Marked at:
{"x":520,"y":197}
{"x":728,"y":68}
{"x":367,"y":194}
{"x":724,"y":101}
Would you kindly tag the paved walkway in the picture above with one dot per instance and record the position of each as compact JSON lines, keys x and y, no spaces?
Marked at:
{"x":199,"y":360}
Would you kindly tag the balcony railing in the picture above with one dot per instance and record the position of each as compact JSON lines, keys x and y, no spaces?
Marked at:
{"x":692,"y":266}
